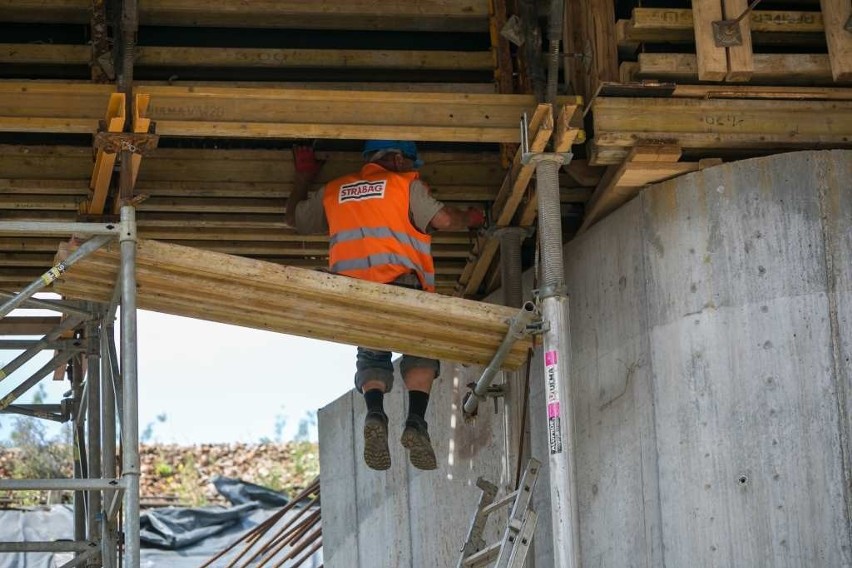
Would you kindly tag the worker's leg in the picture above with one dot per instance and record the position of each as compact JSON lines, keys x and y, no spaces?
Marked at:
{"x":373,"y":378}
{"x":418,"y":374}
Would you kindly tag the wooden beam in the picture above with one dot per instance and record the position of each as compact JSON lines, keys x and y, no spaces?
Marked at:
{"x":52,"y":107}
{"x":837,"y":13}
{"x":240,"y":58}
{"x":645,"y":163}
{"x":772,"y":68}
{"x":335,"y":114}
{"x":424,"y":15}
{"x":664,"y":25}
{"x":712,"y":60}
{"x":761,"y":92}
{"x":224,"y":288}
{"x":13,"y":325}
{"x":261,"y":113}
{"x":755,"y":125}
{"x":740,"y":57}
{"x":597,"y":43}
{"x":565,"y":137}
{"x":104,"y":163}
{"x":508,"y":198}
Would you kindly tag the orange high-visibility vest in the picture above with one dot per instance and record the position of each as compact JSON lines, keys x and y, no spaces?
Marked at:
{"x":371,"y":236}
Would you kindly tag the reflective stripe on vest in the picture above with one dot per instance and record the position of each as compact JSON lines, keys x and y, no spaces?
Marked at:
{"x":380,"y":259}
{"x":370,"y":229}
{"x":379,"y":233}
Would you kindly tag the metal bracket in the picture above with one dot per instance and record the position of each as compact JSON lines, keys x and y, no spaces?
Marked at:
{"x":493,"y":392}
{"x":727,"y":33}
{"x":527,"y":156}
{"x":136,"y":142}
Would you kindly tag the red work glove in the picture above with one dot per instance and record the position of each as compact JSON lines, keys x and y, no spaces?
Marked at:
{"x":475,"y":217}
{"x":305,"y":160}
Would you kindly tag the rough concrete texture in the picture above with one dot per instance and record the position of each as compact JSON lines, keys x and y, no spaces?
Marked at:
{"x":406,"y":517}
{"x":710,"y":329}
{"x":711,"y":332}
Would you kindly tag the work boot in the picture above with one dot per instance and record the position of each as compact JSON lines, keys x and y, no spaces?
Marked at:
{"x":376,"y":452}
{"x":415,"y":438}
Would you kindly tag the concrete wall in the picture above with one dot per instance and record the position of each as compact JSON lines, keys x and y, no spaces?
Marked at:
{"x":404,"y":516}
{"x":711,"y":333}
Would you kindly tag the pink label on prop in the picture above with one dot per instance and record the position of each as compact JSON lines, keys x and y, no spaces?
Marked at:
{"x":550,"y":358}
{"x":552,"y":409}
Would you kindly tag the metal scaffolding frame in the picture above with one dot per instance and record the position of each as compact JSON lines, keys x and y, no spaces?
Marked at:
{"x":103,"y":397}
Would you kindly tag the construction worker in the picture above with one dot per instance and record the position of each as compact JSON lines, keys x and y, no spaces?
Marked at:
{"x":379,"y":221}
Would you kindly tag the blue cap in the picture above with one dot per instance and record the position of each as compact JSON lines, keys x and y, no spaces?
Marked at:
{"x":404,"y":147}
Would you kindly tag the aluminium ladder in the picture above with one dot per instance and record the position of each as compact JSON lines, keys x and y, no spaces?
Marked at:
{"x":511,"y":550}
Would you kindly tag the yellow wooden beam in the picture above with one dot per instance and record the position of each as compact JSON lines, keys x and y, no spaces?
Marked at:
{"x":772,"y":68}
{"x":836,"y":14}
{"x":740,"y":57}
{"x":229,"y":289}
{"x":423,"y":15}
{"x":31,"y":106}
{"x":727,"y":124}
{"x":659,"y":25}
{"x":104,"y":162}
{"x":165,"y":56}
{"x":712,"y":60}
{"x":645,"y":163}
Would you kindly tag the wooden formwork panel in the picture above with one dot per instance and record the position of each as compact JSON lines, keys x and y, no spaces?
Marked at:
{"x":228,"y":289}
{"x":423,"y":15}
{"x":717,"y":125}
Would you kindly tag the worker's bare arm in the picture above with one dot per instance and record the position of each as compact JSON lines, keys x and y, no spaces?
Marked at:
{"x":453,"y":219}
{"x":306,"y":169}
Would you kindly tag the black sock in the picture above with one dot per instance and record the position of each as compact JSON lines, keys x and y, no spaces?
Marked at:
{"x":375,"y":400}
{"x":417,"y":403}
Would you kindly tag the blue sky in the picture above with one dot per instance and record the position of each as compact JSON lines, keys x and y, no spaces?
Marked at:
{"x":219,"y":383}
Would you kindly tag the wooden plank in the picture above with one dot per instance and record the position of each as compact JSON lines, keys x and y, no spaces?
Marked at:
{"x":597,"y":34}
{"x":27,"y":325}
{"x":168,"y":275}
{"x":775,"y":68}
{"x":837,"y":13}
{"x":508,"y":198}
{"x":649,"y":162}
{"x":760,"y":92}
{"x":211,"y":57}
{"x":424,"y":15}
{"x":793,"y":121}
{"x":52,"y":107}
{"x":565,"y":137}
{"x":712,"y":60}
{"x":335,"y":114}
{"x":104,"y":163}
{"x":209,"y":111}
{"x":740,"y":57}
{"x":677,"y":25}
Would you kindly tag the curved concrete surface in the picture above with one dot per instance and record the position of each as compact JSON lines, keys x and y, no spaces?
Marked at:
{"x":711,"y":336}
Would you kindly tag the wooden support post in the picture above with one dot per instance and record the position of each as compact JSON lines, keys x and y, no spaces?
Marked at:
{"x":836,"y":13}
{"x":740,"y":59}
{"x":712,"y":60}
{"x":104,"y":162}
{"x":646,"y":163}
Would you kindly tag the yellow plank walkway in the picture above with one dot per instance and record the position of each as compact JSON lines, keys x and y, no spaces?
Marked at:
{"x":234,"y":290}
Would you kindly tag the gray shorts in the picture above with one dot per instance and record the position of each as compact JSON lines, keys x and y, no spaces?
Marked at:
{"x":374,"y":365}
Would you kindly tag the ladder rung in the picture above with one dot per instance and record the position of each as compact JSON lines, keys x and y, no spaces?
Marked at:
{"x":484,"y":556}
{"x":502,"y":502}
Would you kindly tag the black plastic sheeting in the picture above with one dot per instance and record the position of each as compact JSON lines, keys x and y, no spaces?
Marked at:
{"x":174,"y":537}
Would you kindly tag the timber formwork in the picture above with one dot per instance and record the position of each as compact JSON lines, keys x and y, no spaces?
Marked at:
{"x":221,"y":89}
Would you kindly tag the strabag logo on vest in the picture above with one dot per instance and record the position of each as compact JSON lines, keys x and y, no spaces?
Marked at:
{"x":361,"y":190}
